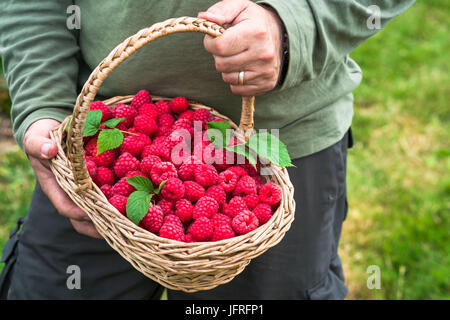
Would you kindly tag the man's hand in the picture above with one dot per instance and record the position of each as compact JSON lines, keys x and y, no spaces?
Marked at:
{"x":40,"y":148}
{"x":252,"y":43}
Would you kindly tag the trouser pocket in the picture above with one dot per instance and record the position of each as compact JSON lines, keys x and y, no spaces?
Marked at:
{"x":9,"y":257}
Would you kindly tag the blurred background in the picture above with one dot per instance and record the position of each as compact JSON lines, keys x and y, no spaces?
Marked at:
{"x":398,"y":171}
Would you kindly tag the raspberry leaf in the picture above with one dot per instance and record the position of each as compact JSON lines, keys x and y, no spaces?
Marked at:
{"x":161,"y":185}
{"x":271,"y":148}
{"x":112,"y":123}
{"x":92,"y":123}
{"x":242,"y":150}
{"x":109,"y":139}
{"x":218,"y":133}
{"x":138,"y":204}
{"x":141,"y":184}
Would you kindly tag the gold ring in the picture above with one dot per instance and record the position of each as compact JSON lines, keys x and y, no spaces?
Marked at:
{"x":241,"y":78}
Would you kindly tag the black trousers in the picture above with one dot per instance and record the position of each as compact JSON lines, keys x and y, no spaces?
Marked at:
{"x":304,"y":265}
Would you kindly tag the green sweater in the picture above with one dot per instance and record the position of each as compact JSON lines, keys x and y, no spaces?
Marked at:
{"x":46,"y":64}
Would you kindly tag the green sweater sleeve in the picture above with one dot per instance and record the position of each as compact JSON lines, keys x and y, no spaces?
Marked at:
{"x":323,"y":32}
{"x":39,"y":55}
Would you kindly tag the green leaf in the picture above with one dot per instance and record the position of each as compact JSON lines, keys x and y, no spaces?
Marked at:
{"x":219,"y":129}
{"x":112,"y":123}
{"x":271,"y":148}
{"x":138,"y":204}
{"x":161,"y":185}
{"x":109,"y":139}
{"x":92,"y":123}
{"x":141,"y":184}
{"x":242,"y":150}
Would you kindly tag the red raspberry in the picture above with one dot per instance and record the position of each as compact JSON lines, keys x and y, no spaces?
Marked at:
{"x":205,"y":207}
{"x":188,"y":238}
{"x":201,"y":229}
{"x":220,"y":219}
{"x":172,"y":229}
{"x":155,"y":149}
{"x":165,"y":120}
{"x":263,"y":212}
{"x":184,"y":210}
{"x":145,"y":124}
{"x":104,"y":176}
{"x":173,"y":189}
{"x":193,"y":191}
{"x":166,"y":206}
{"x":106,"y":111}
{"x":186,"y":170}
{"x":163,"y":171}
{"x":90,"y":147}
{"x":107,"y":191}
{"x":245,"y":186}
{"x":251,"y":200}
{"x":206,"y":175}
{"x":91,"y":168}
{"x":223,"y":159}
{"x":205,"y":151}
{"x":182,"y":124}
{"x":150,"y":110}
{"x":222,"y":232}
{"x":187,"y":115}
{"x":125,"y":163}
{"x":123,"y":188}
{"x":147,"y":164}
{"x":179,"y":104}
{"x":235,"y":206}
{"x":270,"y":193}
{"x":228,"y":180}
{"x":163,"y":131}
{"x":163,"y":107}
{"x":217,"y":193}
{"x":105,"y":159}
{"x":203,"y":116}
{"x":244,"y":222}
{"x":120,"y":203}
{"x":173,"y":219}
{"x":238,"y":171}
{"x":153,"y":220}
{"x":135,"y":174}
{"x":141,"y":98}
{"x":135,"y":144}
{"x":124,"y":111}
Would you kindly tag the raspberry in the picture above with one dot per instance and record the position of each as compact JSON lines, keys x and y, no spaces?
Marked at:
{"x":238,"y":171}
{"x":173,"y":219}
{"x":184,"y":209}
{"x":228,"y":180}
{"x":244,"y":222}
{"x":134,"y":144}
{"x":220,"y":219}
{"x":235,"y":206}
{"x":201,"y":229}
{"x":163,"y":107}
{"x":203,"y":116}
{"x":91,"y":168}
{"x":193,"y":191}
{"x":120,"y":203}
{"x":245,"y":186}
{"x":182,"y":124}
{"x":205,"y":207}
{"x":186,"y":170}
{"x":153,"y":220}
{"x":263,"y":212}
{"x":217,"y":193}
{"x":107,"y":191}
{"x":147,"y":164}
{"x":173,"y":189}
{"x":123,"y":188}
{"x":124,"y":111}
{"x":150,"y":110}
{"x":179,"y":104}
{"x":155,"y":149}
{"x":206,"y":175}
{"x":141,"y":98}
{"x":222,"y":232}
{"x":135,"y":174}
{"x":163,"y":171}
{"x":90,"y":147}
{"x":188,"y":238}
{"x":251,"y":200}
{"x":166,"y":206}
{"x":145,"y":124}
{"x":105,"y":159}
{"x":125,"y":163}
{"x":165,"y":120}
{"x":172,"y":228}
{"x":187,"y":115}
{"x":163,"y":131}
{"x":270,"y":193}
{"x":205,"y":151}
{"x":106,"y":111}
{"x":223,"y":159}
{"x":104,"y":176}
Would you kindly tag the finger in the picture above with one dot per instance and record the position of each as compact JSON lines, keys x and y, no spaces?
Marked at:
{"x":230,"y":43}
{"x":250,"y":90}
{"x":37,"y":142}
{"x":224,"y":12}
{"x":86,"y":228}
{"x":233,"y":77}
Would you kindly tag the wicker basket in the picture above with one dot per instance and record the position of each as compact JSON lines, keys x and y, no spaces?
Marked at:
{"x":176,"y":265}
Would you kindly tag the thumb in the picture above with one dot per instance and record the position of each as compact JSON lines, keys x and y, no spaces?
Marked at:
{"x":37,"y":142}
{"x":224,"y":12}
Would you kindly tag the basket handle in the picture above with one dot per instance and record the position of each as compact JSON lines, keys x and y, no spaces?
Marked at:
{"x":118,"y":55}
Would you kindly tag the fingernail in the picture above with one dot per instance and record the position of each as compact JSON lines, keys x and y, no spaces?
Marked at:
{"x":46,"y":149}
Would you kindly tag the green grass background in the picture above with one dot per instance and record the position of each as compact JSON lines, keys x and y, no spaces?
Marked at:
{"x":398,"y":181}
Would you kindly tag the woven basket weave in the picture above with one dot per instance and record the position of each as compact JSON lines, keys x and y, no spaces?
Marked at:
{"x":176,"y":265}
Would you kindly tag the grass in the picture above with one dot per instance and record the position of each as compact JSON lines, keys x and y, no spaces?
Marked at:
{"x":398,"y":182}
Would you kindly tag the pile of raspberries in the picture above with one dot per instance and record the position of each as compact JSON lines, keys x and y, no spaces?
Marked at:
{"x":201,"y":200}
